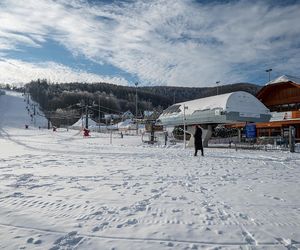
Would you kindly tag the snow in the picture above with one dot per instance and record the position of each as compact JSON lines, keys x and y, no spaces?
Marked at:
{"x":59,"y":190}
{"x":239,"y":101}
{"x":285,"y":78}
{"x":81,"y":123}
{"x":127,"y":124}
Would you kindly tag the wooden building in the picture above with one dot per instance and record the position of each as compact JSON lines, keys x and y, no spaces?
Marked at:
{"x":282,"y":97}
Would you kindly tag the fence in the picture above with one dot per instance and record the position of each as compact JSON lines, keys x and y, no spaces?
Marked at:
{"x":261,"y":143}
{"x":159,"y":138}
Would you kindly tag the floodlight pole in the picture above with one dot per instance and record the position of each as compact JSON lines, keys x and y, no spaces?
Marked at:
{"x":136,"y":107}
{"x":86,"y":117}
{"x":99,"y":113}
{"x":218,"y":82}
{"x":110,"y":137}
{"x":269,"y":71}
{"x":184,"y":125}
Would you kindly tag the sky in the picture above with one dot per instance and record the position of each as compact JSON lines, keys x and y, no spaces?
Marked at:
{"x":184,"y":43}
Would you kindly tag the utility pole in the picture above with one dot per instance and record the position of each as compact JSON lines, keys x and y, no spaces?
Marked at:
{"x":99,"y":113}
{"x":217,"y":83}
{"x":110,"y":137}
{"x":184,"y":125}
{"x":81,"y":116}
{"x":86,"y":117}
{"x":34,"y":113}
{"x":136,"y":107}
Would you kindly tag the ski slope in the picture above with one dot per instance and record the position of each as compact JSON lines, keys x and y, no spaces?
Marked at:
{"x":16,"y":111}
{"x":59,"y":190}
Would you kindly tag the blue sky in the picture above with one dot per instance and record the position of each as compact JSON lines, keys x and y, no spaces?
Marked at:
{"x":160,"y":42}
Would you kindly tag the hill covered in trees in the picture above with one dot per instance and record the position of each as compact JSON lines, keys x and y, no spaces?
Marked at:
{"x":66,"y":99}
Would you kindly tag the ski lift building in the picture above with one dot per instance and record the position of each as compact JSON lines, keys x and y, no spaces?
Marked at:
{"x":232,"y":107}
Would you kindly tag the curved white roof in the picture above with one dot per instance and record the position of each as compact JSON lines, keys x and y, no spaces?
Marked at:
{"x":239,"y":101}
{"x":226,"y":108}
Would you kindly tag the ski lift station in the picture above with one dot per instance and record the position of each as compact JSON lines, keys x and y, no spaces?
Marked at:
{"x":232,"y":107}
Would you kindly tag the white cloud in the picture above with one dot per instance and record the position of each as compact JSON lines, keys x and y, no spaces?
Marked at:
{"x":176,"y":42}
{"x":16,"y":72}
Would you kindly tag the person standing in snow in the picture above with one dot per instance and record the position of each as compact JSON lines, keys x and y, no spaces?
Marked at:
{"x":198,"y":140}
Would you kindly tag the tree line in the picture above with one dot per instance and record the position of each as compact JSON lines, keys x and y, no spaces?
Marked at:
{"x":66,"y":97}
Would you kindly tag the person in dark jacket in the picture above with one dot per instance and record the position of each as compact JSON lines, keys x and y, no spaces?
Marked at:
{"x":198,"y":140}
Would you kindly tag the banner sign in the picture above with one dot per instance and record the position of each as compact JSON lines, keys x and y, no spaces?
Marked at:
{"x":250,"y":131}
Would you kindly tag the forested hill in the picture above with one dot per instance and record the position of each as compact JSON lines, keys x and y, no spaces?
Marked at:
{"x":180,"y":94}
{"x":116,"y":98}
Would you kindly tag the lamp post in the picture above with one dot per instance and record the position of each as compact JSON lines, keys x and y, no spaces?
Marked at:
{"x":269,"y":71}
{"x":99,"y":112}
{"x":111,"y":125}
{"x":86,"y":117}
{"x":217,"y":83}
{"x":184,"y":125}
{"x":136,"y":107}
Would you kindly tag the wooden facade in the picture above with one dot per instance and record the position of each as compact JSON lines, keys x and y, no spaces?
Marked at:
{"x":280,"y":97}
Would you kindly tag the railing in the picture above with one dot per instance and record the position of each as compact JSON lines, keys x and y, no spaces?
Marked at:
{"x":262,"y":143}
{"x":159,"y":138}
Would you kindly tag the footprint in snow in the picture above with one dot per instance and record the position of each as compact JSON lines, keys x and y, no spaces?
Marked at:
{"x":67,"y":241}
{"x":130,"y":222}
{"x":243,"y":216}
{"x":100,"y":227}
{"x":277,"y":198}
{"x":249,"y":239}
{"x":176,"y":210}
{"x":36,"y":242}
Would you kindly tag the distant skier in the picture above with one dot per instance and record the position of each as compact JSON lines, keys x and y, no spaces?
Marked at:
{"x":198,"y":140}
{"x":86,"y":132}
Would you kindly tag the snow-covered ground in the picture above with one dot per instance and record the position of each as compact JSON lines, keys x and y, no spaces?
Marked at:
{"x":59,"y":190}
